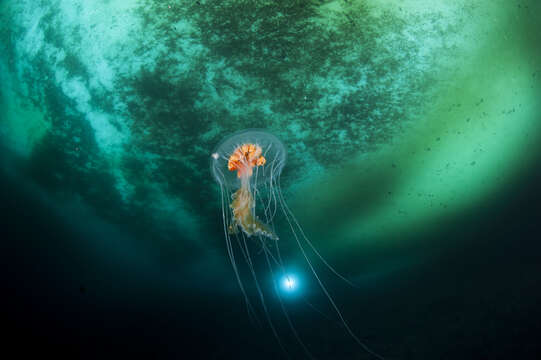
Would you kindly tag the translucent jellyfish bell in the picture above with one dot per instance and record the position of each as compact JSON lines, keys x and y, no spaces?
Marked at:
{"x":273,"y":150}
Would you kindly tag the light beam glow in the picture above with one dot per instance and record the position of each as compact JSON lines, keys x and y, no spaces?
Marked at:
{"x":289,"y":283}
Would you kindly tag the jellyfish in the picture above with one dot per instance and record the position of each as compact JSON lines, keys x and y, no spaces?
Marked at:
{"x":247,"y":166}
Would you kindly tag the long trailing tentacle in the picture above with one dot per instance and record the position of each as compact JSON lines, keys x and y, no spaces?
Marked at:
{"x":289,"y":214}
{"x":279,"y":297}
{"x":242,"y":243}
{"x":277,"y":258}
{"x":289,"y":217}
{"x":225,"y":219}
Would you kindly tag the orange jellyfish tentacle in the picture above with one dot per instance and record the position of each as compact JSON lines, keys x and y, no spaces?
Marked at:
{"x":243,"y":159}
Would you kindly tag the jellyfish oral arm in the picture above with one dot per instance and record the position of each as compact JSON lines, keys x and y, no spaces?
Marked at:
{"x":243,"y":207}
{"x":243,"y":160}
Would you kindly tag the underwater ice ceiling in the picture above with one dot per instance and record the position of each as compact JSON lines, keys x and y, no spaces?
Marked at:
{"x":390,"y":113}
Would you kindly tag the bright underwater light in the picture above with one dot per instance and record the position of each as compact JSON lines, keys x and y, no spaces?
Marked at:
{"x":289,"y":283}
